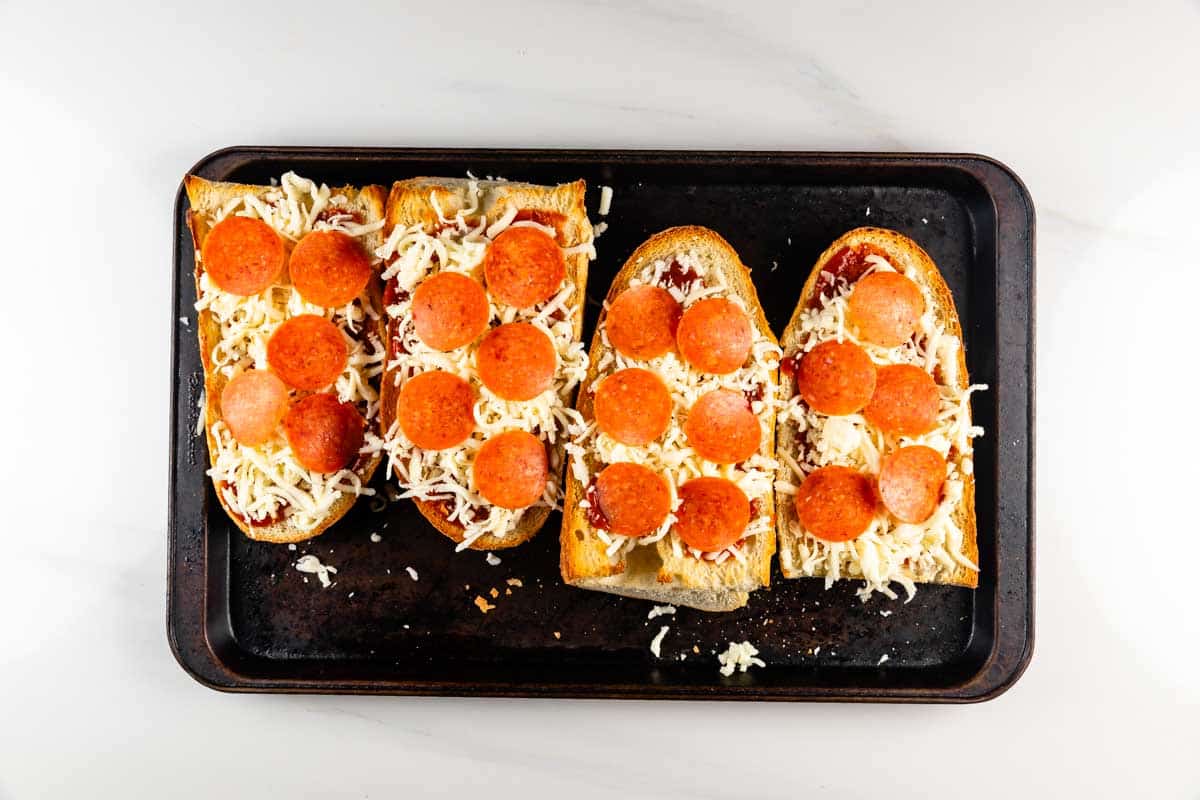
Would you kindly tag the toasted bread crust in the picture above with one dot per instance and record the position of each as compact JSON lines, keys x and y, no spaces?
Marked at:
{"x":204,"y":198}
{"x":583,"y":561}
{"x":410,"y":202}
{"x":902,"y":252}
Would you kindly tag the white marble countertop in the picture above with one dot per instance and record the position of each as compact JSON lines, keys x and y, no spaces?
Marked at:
{"x":103,"y":111}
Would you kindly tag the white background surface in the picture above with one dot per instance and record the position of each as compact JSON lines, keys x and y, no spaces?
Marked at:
{"x":102,"y":113}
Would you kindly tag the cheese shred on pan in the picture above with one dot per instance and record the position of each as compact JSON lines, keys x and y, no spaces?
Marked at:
{"x":266,"y":483}
{"x":412,"y":254}
{"x":889,"y":551}
{"x":670,"y":455}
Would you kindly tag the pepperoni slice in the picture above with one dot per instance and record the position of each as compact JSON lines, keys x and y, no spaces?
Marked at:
{"x":886,"y":307}
{"x":642,"y":321}
{"x":722,"y":428}
{"x":450,"y":310}
{"x":905,"y":402}
{"x":516,"y":361}
{"x":329,"y":268}
{"x":307,"y":351}
{"x":242,"y":255}
{"x":510,"y":469}
{"x":836,"y":504}
{"x":713,"y":513}
{"x":524,"y":267}
{"x":836,"y":378}
{"x":252,"y":405}
{"x":633,"y":406}
{"x":436,"y":410}
{"x":325,"y":435}
{"x":714,"y":335}
{"x":634,"y":499}
{"x":910,"y":482}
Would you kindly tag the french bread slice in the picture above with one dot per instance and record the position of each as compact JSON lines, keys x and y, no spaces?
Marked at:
{"x":418,"y":201}
{"x":206,"y":199}
{"x":656,"y":571}
{"x":907,"y":257}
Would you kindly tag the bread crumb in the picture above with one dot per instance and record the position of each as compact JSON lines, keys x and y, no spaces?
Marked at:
{"x":507,"y":592}
{"x":483,"y":605}
{"x":493,"y":559}
{"x":515,"y":582}
{"x":558,"y":634}
{"x":376,"y":538}
{"x":696,"y":649}
{"x":494,"y":593}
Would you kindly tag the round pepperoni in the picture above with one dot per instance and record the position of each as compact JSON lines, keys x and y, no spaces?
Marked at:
{"x":436,"y":410}
{"x":242,"y":255}
{"x":510,"y":469}
{"x":329,"y":268}
{"x":836,"y":504}
{"x":633,"y":406}
{"x":524,"y":267}
{"x":722,"y":428}
{"x":450,"y":310}
{"x":634,"y":499}
{"x":910,"y":482}
{"x":252,"y":405}
{"x":886,"y":307}
{"x":836,"y":378}
{"x":642,"y":321}
{"x":714,"y":335}
{"x":905,"y":402}
{"x":307,"y":351}
{"x":516,"y":361}
{"x":324,"y":434}
{"x":713,"y":513}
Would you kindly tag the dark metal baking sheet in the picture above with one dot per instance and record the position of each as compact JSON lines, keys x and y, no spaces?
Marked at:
{"x":241,"y":618}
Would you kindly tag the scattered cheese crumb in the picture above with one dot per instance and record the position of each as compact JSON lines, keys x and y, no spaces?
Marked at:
{"x":656,"y":644}
{"x":292,"y":547}
{"x":882,"y":659}
{"x":558,"y":634}
{"x":494,"y":593}
{"x":483,"y":605}
{"x":507,"y":592}
{"x":606,"y":194}
{"x":696,"y":649}
{"x":350,"y":596}
{"x":739,"y":657}
{"x":817,"y":652}
{"x":313,"y":566}
{"x":184,"y":321}
{"x":412,"y":573}
{"x":868,"y":211}
{"x":924,"y":221}
{"x":885,"y":613}
{"x":493,"y":559}
{"x":774,"y":266}
{"x":376,"y":538}
{"x":598,"y":229}
{"x":659,"y":611}
{"x":515,"y":582}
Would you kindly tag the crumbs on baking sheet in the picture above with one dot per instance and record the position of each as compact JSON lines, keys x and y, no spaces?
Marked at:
{"x":514,"y":582}
{"x":483,"y":605}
